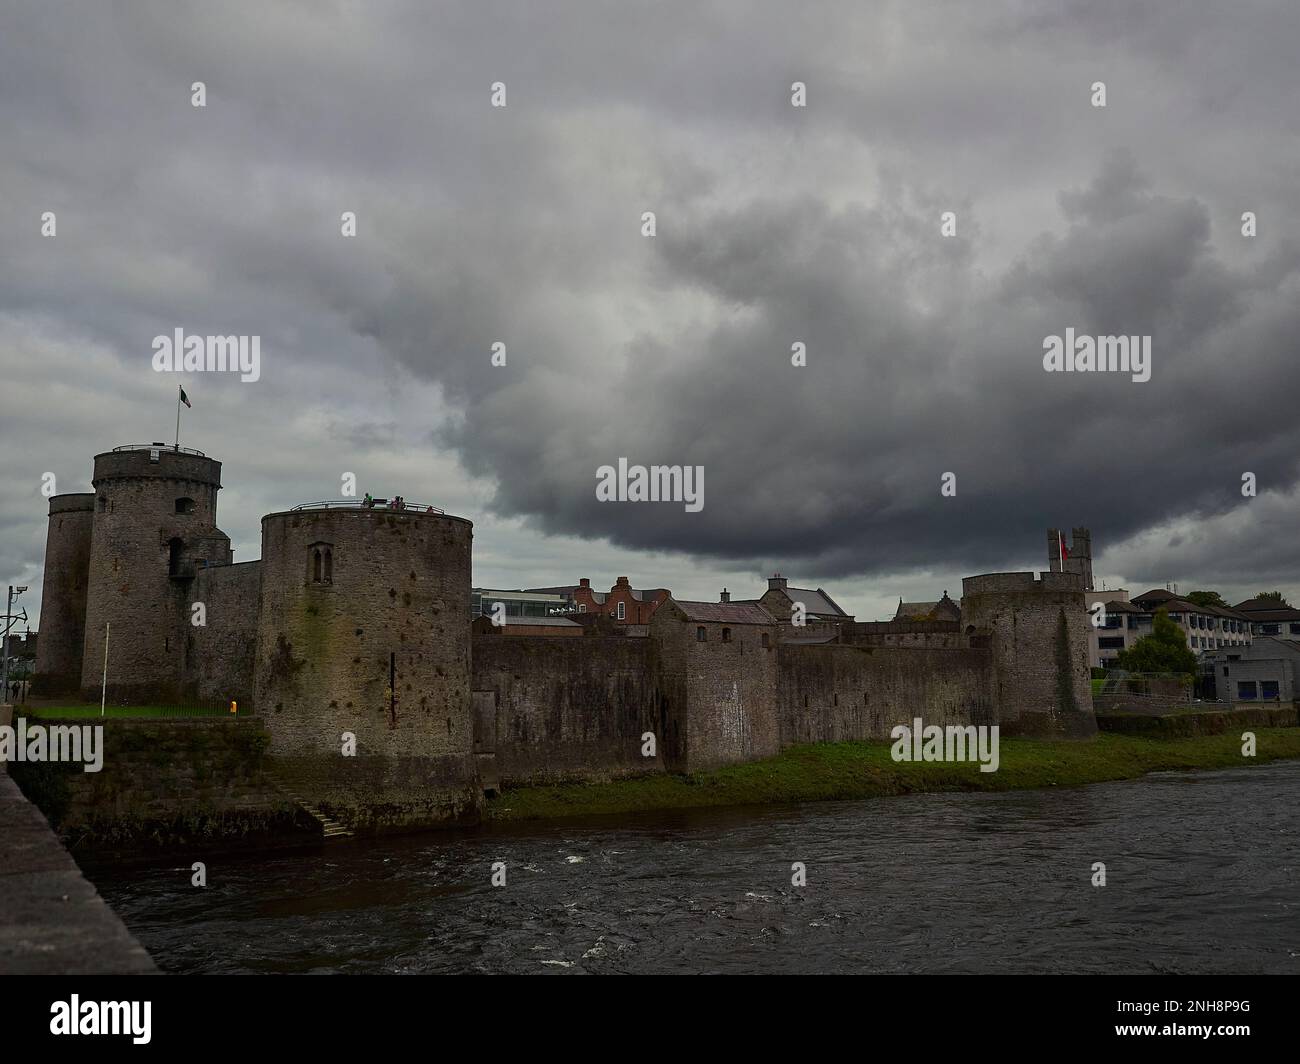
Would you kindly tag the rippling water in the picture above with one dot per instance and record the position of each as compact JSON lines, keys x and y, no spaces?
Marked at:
{"x":1202,"y":876}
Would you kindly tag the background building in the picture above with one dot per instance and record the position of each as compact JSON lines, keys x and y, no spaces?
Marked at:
{"x":1268,"y":617}
{"x":517,"y":603}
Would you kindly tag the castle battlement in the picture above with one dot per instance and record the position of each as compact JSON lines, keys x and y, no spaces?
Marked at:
{"x":72,"y":503}
{"x":137,"y":461}
{"x":1021,"y":583}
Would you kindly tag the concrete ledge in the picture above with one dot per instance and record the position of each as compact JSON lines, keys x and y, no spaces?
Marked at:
{"x":52,"y":920}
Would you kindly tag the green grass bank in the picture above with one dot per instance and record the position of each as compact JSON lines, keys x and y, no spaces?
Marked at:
{"x":842,"y":771}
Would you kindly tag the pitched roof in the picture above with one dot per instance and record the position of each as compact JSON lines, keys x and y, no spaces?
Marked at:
{"x":1181,"y":605}
{"x":1219,"y":611}
{"x":915,"y":609}
{"x":1258,"y":609}
{"x":816,"y":602}
{"x":725,"y":612}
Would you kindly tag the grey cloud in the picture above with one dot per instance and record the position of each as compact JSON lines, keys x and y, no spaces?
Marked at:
{"x":774,"y":226}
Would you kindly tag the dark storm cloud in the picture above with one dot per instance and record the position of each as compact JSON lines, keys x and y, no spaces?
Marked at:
{"x":774,"y":226}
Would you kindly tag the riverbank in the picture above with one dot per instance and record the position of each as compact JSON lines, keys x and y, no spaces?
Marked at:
{"x":847,"y":771}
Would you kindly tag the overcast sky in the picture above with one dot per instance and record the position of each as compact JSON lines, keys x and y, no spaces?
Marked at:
{"x":775,"y":224}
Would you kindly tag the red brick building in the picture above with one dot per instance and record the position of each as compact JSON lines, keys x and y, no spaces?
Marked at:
{"x":623,"y":603}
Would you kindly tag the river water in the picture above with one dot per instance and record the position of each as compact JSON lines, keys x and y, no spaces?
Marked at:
{"x":1202,"y":875}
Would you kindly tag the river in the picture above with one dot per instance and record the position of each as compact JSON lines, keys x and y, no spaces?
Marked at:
{"x":1202,"y":876}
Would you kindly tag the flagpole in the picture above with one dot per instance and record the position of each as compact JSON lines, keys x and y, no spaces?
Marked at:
{"x":179,"y":389}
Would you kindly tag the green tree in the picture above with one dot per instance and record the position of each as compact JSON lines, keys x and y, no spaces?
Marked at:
{"x":1164,"y":650}
{"x":1206,"y":598}
{"x":1273,"y":596}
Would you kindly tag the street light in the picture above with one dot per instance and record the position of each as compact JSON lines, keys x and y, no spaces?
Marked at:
{"x":9,"y":619}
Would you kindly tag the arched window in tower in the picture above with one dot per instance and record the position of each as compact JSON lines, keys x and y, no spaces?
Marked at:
{"x":184,"y":506}
{"x":320,"y":563}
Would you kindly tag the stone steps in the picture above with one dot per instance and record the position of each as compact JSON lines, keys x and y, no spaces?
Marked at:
{"x":330,"y":829}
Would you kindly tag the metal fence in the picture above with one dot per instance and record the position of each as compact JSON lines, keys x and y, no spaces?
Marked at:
{"x":376,"y":504}
{"x":215,"y":709}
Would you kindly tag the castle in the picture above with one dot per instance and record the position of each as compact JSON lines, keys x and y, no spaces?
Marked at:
{"x":356,"y":622}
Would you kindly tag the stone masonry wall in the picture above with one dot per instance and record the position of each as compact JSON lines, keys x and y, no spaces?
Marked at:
{"x":63,"y":595}
{"x":131,"y":583}
{"x":220,"y":656}
{"x":836,"y":693}
{"x":719,"y":697}
{"x":939,"y":634}
{"x":558,"y":708}
{"x":164,"y":784}
{"x":1039,"y":630}
{"x":395,"y":589}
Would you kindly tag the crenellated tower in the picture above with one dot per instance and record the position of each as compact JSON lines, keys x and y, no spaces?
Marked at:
{"x":154,"y":526}
{"x":1037,"y":629}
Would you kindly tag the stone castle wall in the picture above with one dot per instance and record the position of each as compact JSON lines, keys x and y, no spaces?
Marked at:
{"x":220,"y":655}
{"x":346,"y":598}
{"x":719,"y":698}
{"x":165,"y":783}
{"x":558,"y":708}
{"x":63,"y":596}
{"x":946,"y":635}
{"x":836,"y":693}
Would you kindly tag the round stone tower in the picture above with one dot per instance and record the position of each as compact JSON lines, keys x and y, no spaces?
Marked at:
{"x":1037,"y":630}
{"x":63,"y":595}
{"x":154,"y":526}
{"x":365,"y":631}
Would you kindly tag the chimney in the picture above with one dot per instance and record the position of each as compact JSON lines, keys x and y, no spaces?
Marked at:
{"x":776,"y":581}
{"x":584,"y":582}
{"x":725,"y":596}
{"x":621,"y":582}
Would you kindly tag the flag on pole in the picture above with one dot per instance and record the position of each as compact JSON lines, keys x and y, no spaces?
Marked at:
{"x":185,"y":398}
{"x":1060,"y":539}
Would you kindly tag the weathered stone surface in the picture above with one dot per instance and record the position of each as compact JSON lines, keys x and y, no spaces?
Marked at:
{"x":164,"y":784}
{"x":557,"y":708}
{"x":63,"y":595}
{"x":52,"y":921}
{"x":1038,"y":631}
{"x":834,"y":693}
{"x":719,"y":694}
{"x":144,"y":554}
{"x":389,"y":599}
{"x":220,"y":656}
